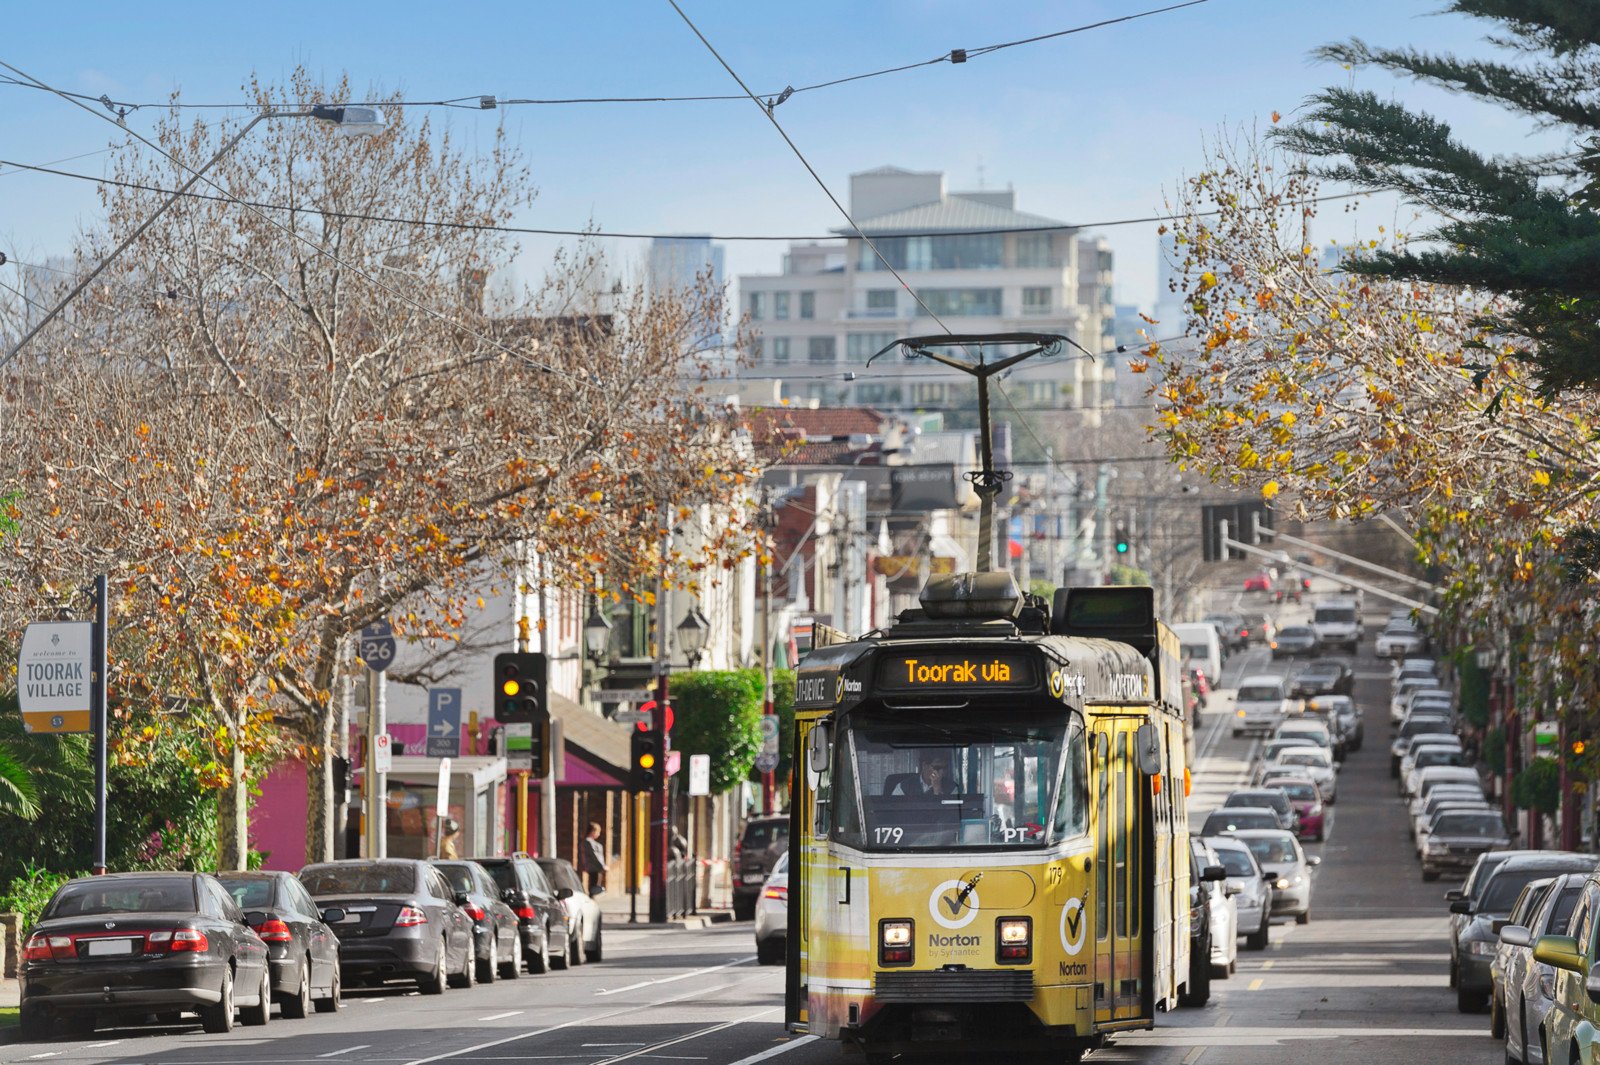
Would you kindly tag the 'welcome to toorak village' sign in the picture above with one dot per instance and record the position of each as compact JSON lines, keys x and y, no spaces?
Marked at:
{"x":53,"y":676}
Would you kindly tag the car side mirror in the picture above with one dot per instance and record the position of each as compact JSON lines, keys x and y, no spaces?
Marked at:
{"x":1314,"y":860}
{"x":1453,"y":894}
{"x":332,"y":915}
{"x":1214,"y":872}
{"x":1561,"y":952}
{"x":1515,"y":935}
{"x":563,"y":893}
{"x":1461,"y":906}
{"x":1591,"y":983}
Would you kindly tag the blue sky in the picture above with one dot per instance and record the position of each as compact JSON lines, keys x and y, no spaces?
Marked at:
{"x":1087,"y":127}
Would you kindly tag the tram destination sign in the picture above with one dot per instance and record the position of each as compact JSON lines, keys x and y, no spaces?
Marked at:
{"x":977,"y":670}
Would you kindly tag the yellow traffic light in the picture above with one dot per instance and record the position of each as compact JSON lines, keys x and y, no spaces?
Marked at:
{"x":510,"y":687}
{"x":647,"y":761}
{"x":1577,"y":746}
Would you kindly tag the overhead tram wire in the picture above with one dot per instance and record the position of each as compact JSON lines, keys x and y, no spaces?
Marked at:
{"x":483,"y":102}
{"x":485,"y":227}
{"x":259,"y":213}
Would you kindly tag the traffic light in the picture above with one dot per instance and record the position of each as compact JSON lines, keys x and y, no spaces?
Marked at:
{"x":519,"y":688}
{"x":644,"y":764}
{"x":1122,"y":539}
{"x":1578,"y":747}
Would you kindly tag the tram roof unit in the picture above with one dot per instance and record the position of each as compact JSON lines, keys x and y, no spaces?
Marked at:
{"x":978,"y":637}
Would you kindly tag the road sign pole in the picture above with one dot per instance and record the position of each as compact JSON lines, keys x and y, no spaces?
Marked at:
{"x":97,"y":715}
{"x":377,"y":782}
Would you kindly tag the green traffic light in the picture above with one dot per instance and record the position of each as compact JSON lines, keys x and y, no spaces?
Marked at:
{"x":1122,"y":547}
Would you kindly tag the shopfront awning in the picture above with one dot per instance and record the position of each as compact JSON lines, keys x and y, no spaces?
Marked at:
{"x":597,"y":749}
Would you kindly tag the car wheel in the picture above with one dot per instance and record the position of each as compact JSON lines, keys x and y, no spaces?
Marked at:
{"x":1303,"y":918}
{"x":33,"y":1024}
{"x":769,"y":952}
{"x":217,"y":1018}
{"x":434,"y":982}
{"x":1470,"y":1001}
{"x":1198,"y":993}
{"x":335,"y":997}
{"x":489,"y":968}
{"x":1430,"y":875}
{"x":540,"y":962}
{"x":513,"y":969}
{"x":259,"y":1014}
{"x":297,"y":1006}
{"x":744,"y":910}
{"x":593,"y":950}
{"x":1257,"y":940}
{"x":575,"y":952}
{"x":469,"y":967}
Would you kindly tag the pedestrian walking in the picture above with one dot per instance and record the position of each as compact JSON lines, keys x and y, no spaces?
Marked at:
{"x":593,"y":856}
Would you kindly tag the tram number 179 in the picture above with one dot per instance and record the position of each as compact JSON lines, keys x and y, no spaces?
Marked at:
{"x":889,"y":833}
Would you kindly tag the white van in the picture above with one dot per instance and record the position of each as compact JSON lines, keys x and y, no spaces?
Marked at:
{"x":1262,"y":704}
{"x":1338,"y":621}
{"x":1202,"y":646}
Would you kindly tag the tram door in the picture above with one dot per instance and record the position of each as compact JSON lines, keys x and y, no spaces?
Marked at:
{"x":1119,"y":919}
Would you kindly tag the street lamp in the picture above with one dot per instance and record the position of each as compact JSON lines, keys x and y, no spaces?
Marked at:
{"x":596,"y":633}
{"x":1484,"y":657}
{"x":348,"y":119}
{"x":692,"y":632}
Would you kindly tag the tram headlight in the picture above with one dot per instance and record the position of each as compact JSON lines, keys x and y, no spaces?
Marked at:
{"x":1014,"y":936}
{"x":895,"y":942}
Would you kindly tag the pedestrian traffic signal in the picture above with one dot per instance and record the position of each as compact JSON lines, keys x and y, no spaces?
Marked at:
{"x":1122,"y":540}
{"x":520,"y":689}
{"x":644,"y":766}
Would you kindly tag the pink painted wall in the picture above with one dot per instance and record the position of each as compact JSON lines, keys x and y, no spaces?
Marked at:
{"x":278,"y":819}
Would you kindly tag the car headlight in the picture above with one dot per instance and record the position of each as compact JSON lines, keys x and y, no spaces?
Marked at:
{"x":1435,"y":847}
{"x":1282,"y":883}
{"x":1481,"y":947}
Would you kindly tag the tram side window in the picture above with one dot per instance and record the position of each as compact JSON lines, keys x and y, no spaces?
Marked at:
{"x":1072,"y":803}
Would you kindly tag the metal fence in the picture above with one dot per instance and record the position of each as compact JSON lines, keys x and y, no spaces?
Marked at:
{"x":681,"y":873}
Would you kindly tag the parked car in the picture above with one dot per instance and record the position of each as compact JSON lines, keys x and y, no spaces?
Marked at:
{"x":1449,"y":794}
{"x":541,"y":917}
{"x":1434,"y":776}
{"x":584,"y":919}
{"x":1422,"y":741}
{"x":1295,"y":640}
{"x":1455,"y":837}
{"x":1474,"y":941}
{"x":1307,"y":799}
{"x":401,"y":921}
{"x":1525,"y":983}
{"x":1328,"y":676}
{"x":772,"y":915}
{"x":496,"y":932}
{"x":1266,"y":761}
{"x":1509,"y":954}
{"x":1272,"y":798}
{"x":1428,"y":724}
{"x":1197,"y":991}
{"x":1279,"y":853}
{"x":1252,"y":893}
{"x":1398,"y":640}
{"x":106,"y":947}
{"x":1236,"y":818}
{"x":302,"y":951}
{"x":763,"y":840}
{"x":1224,"y":912}
{"x":1261,"y":704}
{"x":1426,"y":757}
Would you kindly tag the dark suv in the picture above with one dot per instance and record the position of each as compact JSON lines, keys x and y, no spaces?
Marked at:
{"x":757,"y":852}
{"x":541,"y":916}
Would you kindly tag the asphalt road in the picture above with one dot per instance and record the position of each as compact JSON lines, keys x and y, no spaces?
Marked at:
{"x":1364,"y":982}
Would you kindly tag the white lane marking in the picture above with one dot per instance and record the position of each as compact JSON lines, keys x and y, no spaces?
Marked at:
{"x":46,"y":1054}
{"x":534,"y":1033}
{"x":502,"y":1016}
{"x":587,"y":1045}
{"x":346,"y":1050}
{"x":1193,"y":1055}
{"x":672,"y":979}
{"x":653,"y":1048}
{"x":775,"y":1051}
{"x":107,"y":1043}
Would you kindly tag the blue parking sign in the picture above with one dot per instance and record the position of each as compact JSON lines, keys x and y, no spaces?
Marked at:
{"x":444,"y":723}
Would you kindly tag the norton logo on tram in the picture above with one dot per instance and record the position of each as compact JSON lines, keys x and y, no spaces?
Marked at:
{"x":1073,"y":927}
{"x":1063,"y":681}
{"x":954,"y":903}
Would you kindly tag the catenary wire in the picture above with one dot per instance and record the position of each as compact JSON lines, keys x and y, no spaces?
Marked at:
{"x":122,"y":108}
{"x":259,"y":213}
{"x":597,"y":233}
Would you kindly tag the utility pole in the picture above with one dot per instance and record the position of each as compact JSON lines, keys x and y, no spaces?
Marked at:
{"x":768,"y":523}
{"x":97,"y":714}
{"x":659,"y":814}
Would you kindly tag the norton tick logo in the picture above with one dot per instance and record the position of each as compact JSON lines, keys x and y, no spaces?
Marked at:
{"x":954,"y":903}
{"x":1073,"y":927}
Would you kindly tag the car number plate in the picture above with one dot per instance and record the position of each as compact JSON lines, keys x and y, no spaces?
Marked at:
{"x":98,"y":947}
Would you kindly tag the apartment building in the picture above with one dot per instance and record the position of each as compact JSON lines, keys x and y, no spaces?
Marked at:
{"x":973,"y":259}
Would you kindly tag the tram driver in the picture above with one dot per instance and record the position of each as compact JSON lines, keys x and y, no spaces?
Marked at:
{"x":933,"y":777}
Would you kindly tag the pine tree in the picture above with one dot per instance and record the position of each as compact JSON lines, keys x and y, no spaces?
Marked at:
{"x":1523,"y":227}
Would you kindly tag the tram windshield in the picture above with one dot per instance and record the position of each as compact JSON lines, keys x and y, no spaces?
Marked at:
{"x":956,"y":780}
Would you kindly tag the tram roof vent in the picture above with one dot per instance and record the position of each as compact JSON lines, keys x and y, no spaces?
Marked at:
{"x":993,"y":594}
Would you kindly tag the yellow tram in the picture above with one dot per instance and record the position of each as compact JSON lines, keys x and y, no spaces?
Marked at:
{"x":989,"y":839}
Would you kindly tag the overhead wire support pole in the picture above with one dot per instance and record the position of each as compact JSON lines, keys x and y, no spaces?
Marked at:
{"x":986,"y":481}
{"x":1382,"y":571}
{"x":1228,"y":541}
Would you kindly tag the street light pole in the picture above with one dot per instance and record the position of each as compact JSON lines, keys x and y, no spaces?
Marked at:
{"x":345,"y":116}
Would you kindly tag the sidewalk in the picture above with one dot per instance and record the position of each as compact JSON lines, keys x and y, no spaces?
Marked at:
{"x":10,"y":992}
{"x":618,"y":905}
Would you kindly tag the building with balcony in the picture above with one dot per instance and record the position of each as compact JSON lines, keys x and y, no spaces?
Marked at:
{"x":975,"y":263}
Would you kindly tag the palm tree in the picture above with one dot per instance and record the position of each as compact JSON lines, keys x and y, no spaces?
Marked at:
{"x":18,"y":795}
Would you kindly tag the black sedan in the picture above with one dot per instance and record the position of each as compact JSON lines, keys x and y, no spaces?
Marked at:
{"x":132,"y":944}
{"x":400,"y":922}
{"x":1328,"y":677}
{"x":542,"y":916}
{"x":302,"y":950}
{"x":496,"y":934}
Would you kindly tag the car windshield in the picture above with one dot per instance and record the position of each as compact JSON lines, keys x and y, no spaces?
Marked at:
{"x":459,"y":877}
{"x":1260,"y":693}
{"x":1438,"y":756}
{"x":943,"y":779}
{"x":561,"y":874}
{"x":1237,"y":863}
{"x":250,"y":893}
{"x":381,"y":878}
{"x":1501,"y":892}
{"x":759,"y":835}
{"x":1298,"y":790}
{"x":1272,"y":848}
{"x":1196,"y":650}
{"x":1232,"y":820}
{"x":1304,"y":756}
{"x":171,"y":895}
{"x":1469,"y":823}
{"x":505,"y":877}
{"x":1335,"y":615}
